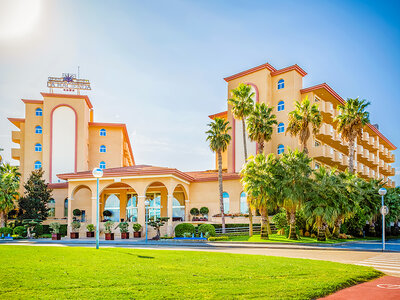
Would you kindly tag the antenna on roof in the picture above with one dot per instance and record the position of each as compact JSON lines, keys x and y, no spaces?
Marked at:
{"x":78,"y":72}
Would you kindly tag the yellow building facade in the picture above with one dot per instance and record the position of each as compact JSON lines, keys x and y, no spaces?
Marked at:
{"x":72,"y":144}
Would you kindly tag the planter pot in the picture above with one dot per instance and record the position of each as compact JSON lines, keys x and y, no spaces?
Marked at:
{"x":90,"y":234}
{"x":109,"y":236}
{"x":137,"y":234}
{"x":124,"y":235}
{"x":56,"y":236}
{"x":74,"y":235}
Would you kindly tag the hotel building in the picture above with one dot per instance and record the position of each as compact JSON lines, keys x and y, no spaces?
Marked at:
{"x":59,"y":135}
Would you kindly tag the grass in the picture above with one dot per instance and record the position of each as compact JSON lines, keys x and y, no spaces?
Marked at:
{"x":277,"y":238}
{"x":109,"y":273}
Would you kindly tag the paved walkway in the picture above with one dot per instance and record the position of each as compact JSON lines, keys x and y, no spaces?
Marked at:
{"x":386,"y":287}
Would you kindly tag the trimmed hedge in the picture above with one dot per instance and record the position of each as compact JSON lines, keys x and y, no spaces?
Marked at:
{"x":20,"y":231}
{"x":203,"y":228}
{"x":234,"y":225}
{"x":180,"y":229}
{"x":63,"y":229}
{"x":6,"y":231}
{"x":218,"y":238}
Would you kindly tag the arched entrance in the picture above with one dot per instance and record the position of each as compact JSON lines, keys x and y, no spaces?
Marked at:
{"x":179,"y":203}
{"x":81,"y":199}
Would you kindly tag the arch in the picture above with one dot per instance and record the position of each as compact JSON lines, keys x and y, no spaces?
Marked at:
{"x":225,"y":198}
{"x":281,"y":127}
{"x":179,"y":203}
{"x":281,"y":105}
{"x":111,"y":203}
{"x":39,"y":112}
{"x":51,"y":205}
{"x":38,"y":165}
{"x":255,"y":89}
{"x":132,"y":208}
{"x":244,"y":207}
{"x":38,"y":129}
{"x":103,"y":132}
{"x":157,"y":196}
{"x":102,"y":165}
{"x":281,"y":84}
{"x":38,"y":147}
{"x":51,"y":138}
{"x":103,"y":149}
{"x":281,"y":149}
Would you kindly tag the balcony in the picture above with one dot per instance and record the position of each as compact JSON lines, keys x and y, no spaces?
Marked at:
{"x":390,"y":157}
{"x":16,"y":136}
{"x":16,"y":153}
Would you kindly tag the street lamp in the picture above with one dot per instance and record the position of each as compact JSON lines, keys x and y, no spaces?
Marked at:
{"x":382,"y":192}
{"x":146,"y":205}
{"x":97,"y":173}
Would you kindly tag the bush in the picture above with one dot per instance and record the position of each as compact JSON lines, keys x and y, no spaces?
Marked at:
{"x":166,"y":238}
{"x":123,"y":227}
{"x":204,"y":228}
{"x":6,"y":231}
{"x":280,"y":220}
{"x":55,"y":227}
{"x":107,"y":213}
{"x":218,"y":238}
{"x":187,"y":234}
{"x":76,"y":212}
{"x":194,"y":211}
{"x":108,"y":226}
{"x":180,"y":229}
{"x":90,"y":227}
{"x":306,"y":234}
{"x":63,"y":229}
{"x":204,"y":211}
{"x":136,"y":227}
{"x":38,"y":230}
{"x":20,"y":231}
{"x":75,"y":226}
{"x":287,"y":229}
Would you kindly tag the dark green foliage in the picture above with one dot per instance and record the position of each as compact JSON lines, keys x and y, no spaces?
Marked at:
{"x":38,"y":230}
{"x":20,"y":230}
{"x":76,"y":212}
{"x":6,"y":231}
{"x":287,"y":231}
{"x":218,"y":238}
{"x":33,"y":204}
{"x":204,"y":210}
{"x":180,"y":229}
{"x":107,"y":213}
{"x":203,"y":228}
{"x":194,"y":211}
{"x":157,"y":224}
{"x":354,"y":225}
{"x":280,"y":219}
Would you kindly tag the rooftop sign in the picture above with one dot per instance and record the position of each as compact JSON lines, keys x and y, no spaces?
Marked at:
{"x":68,"y":82}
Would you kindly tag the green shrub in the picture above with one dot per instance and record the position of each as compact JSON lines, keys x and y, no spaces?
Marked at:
{"x":55,"y":227}
{"x":90,"y":227}
{"x":75,"y":226}
{"x":107,"y":213}
{"x":136,"y":227}
{"x":38,"y":230}
{"x":123,"y":227}
{"x":76,"y":212}
{"x":187,"y":234}
{"x":194,"y":211}
{"x":108,"y":226}
{"x":20,"y":231}
{"x":166,"y":238}
{"x":280,"y":220}
{"x":218,"y":238}
{"x":46,"y":235}
{"x":63,"y":229}
{"x":180,"y":229}
{"x":287,"y":229}
{"x":204,"y":228}
{"x":204,"y":210}
{"x":6,"y":231}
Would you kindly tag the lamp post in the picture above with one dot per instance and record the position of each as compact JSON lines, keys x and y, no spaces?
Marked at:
{"x":97,"y":173}
{"x":382,"y":192}
{"x":146,"y":205}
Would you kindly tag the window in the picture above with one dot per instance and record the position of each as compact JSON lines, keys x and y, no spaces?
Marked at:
{"x":39,"y":112}
{"x":131,"y":208}
{"x":317,"y":144}
{"x":154,"y":208}
{"x":316,"y":167}
{"x":244,"y":208}
{"x":38,"y":147}
{"x":66,"y":207}
{"x":83,"y":215}
{"x":178,"y":210}
{"x":112,"y":204}
{"x":102,"y":165}
{"x":225,"y":197}
{"x":38,"y":165}
{"x":103,"y":132}
{"x":281,"y":84}
{"x":281,"y":105}
{"x":38,"y":129}
{"x":103,"y":149}
{"x":281,"y":149}
{"x":51,"y":205}
{"x":281,"y":127}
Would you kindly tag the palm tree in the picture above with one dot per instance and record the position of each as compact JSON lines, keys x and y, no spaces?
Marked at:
{"x":9,"y":184}
{"x":219,"y":138}
{"x":259,"y":179}
{"x":350,"y":123}
{"x":242,"y":105}
{"x":300,"y":120}
{"x":294,"y":185}
{"x":260,"y":128}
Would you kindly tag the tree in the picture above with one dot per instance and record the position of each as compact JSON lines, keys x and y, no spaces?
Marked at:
{"x":392,"y":200}
{"x":259,"y":179}
{"x":370,"y":201}
{"x":350,"y":123}
{"x":219,"y":139}
{"x":294,"y":185}
{"x":304,"y":116}
{"x":9,"y":184}
{"x":157,"y":224}
{"x":242,"y":105}
{"x":33,"y":205}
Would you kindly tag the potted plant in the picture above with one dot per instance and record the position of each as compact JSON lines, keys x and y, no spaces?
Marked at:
{"x":123,"y":227}
{"x":194,"y":212}
{"x":108,"y":230}
{"x":55,"y":226}
{"x":90,"y":230}
{"x":204,"y":212}
{"x":75,"y":229}
{"x":107,"y":214}
{"x":157,"y":224}
{"x":137,"y":230}
{"x":76,"y":213}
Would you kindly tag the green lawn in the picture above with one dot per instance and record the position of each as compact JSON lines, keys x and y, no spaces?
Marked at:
{"x":277,"y":238}
{"x":110,"y":273}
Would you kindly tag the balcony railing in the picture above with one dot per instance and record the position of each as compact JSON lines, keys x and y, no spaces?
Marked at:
{"x":16,"y":153}
{"x":16,"y":136}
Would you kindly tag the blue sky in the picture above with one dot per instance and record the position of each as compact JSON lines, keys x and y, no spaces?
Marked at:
{"x":158,"y":65}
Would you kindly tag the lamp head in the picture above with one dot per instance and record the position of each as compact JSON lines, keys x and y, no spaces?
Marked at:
{"x":97,"y":172}
{"x":382,"y":191}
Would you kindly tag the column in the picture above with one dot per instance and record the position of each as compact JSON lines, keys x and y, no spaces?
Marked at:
{"x":94,"y":211}
{"x":141,"y":219}
{"x":69,"y":215}
{"x":187,"y":211}
{"x":169,"y":215}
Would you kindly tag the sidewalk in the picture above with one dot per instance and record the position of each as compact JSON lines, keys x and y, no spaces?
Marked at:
{"x":386,"y":287}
